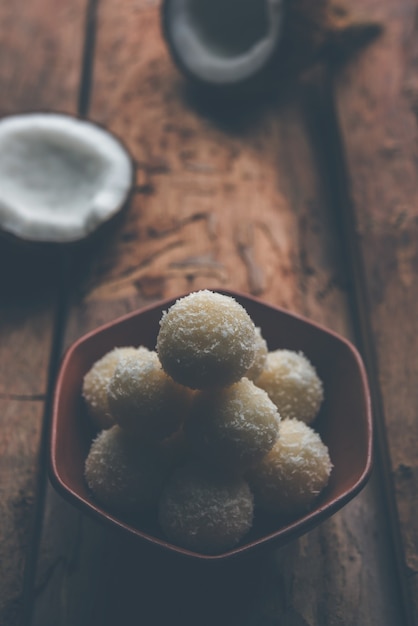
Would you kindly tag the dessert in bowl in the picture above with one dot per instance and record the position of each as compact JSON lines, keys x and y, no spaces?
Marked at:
{"x":341,"y":430}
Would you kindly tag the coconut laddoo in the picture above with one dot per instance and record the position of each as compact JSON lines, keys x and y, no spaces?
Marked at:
{"x":205,"y":340}
{"x":193,"y":437}
{"x":234,"y":427}
{"x":289,"y":478}
{"x":293,"y":385}
{"x":124,"y":476}
{"x":203,"y":511}
{"x":260,"y":356}
{"x":144,"y":400}
{"x":95,"y":385}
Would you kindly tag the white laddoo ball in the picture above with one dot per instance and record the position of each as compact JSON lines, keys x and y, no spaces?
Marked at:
{"x":293,"y":384}
{"x":95,"y":384}
{"x":124,"y":476}
{"x":232,"y":427}
{"x":260,"y":356}
{"x":205,"y":512}
{"x":206,"y":340}
{"x":144,"y":400}
{"x":292,"y":475}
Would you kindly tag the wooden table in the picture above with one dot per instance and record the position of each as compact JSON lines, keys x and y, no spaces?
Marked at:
{"x":309,"y":202}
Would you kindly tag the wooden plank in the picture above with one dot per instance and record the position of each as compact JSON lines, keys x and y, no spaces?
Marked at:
{"x":376,"y":99}
{"x":40,"y":51}
{"x":26,"y":328}
{"x":221,"y":201}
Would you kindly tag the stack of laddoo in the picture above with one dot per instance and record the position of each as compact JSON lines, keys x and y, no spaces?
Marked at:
{"x":206,"y":429}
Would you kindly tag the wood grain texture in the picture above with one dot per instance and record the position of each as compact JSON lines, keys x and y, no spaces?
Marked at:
{"x":40,"y":58}
{"x":376,"y":98}
{"x":224,"y":198}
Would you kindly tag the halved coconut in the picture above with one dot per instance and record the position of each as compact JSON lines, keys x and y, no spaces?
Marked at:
{"x":60,"y":177}
{"x":222,"y":43}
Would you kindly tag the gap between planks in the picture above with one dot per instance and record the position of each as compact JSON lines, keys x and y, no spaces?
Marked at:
{"x":29,"y":575}
{"x":328,"y":143}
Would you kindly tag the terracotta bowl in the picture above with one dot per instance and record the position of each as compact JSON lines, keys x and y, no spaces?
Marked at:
{"x":344,"y":423}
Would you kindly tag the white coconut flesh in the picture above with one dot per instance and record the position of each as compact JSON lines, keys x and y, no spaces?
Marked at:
{"x":60,"y":177}
{"x":223,"y":41}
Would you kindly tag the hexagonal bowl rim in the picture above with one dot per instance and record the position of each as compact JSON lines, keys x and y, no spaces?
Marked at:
{"x":278,"y":537}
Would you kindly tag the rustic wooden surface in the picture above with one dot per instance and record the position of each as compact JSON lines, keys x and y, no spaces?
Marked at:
{"x":378,"y":122}
{"x":307,"y":201}
{"x":40,"y":60}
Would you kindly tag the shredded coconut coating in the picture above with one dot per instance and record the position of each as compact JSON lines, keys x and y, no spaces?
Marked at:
{"x":123,"y":476}
{"x":96,"y":381}
{"x":206,"y":340}
{"x":293,"y":384}
{"x":144,"y":400}
{"x":293,"y":473}
{"x":204,"y":512}
{"x":260,"y":356}
{"x":234,"y":426}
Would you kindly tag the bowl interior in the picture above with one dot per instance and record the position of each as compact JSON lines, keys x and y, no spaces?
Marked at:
{"x":344,"y":422}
